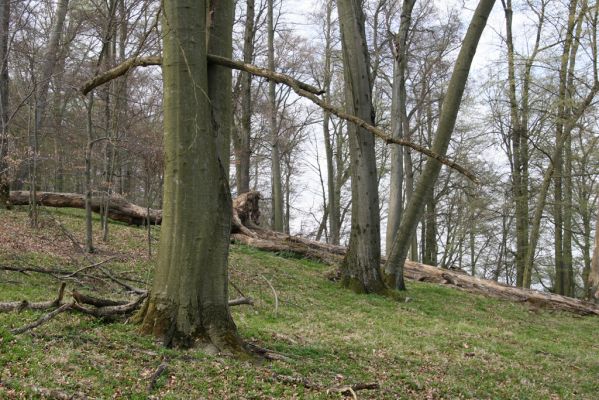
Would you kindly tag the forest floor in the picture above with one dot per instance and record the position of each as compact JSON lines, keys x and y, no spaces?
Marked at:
{"x":442,"y":344}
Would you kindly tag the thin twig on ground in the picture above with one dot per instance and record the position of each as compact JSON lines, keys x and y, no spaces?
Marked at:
{"x":274,"y":293}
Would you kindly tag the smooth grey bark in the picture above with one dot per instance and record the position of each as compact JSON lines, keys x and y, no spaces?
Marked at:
{"x":277,"y":189}
{"x":333,"y":211}
{"x":399,"y":122}
{"x":4,"y":34}
{"x":188,"y":301}
{"x":451,"y":104}
{"x":361,"y":267}
{"x":593,"y":279}
{"x":242,"y":144}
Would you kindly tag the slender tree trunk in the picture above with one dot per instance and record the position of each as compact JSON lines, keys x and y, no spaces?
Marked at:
{"x":451,"y":104}
{"x":4,"y":34}
{"x":361,"y":266}
{"x":593,"y":280}
{"x":89,"y":238}
{"x":277,"y":190}
{"x":399,"y":120}
{"x":566,"y":261}
{"x":189,"y":294}
{"x":333,"y":212}
{"x":242,"y":150}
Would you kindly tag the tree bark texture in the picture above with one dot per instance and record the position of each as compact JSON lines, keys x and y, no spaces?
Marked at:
{"x":399,"y":122}
{"x":361,"y":267}
{"x":277,"y":188}
{"x":189,"y":301}
{"x":242,"y":144}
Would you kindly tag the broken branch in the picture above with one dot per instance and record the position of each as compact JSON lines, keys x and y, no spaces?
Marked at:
{"x":300,"y":88}
{"x":43,"y":319}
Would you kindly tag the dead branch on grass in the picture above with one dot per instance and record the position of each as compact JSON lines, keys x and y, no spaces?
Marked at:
{"x":346,"y":390}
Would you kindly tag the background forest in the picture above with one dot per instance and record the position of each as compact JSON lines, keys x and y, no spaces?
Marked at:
{"x":532,"y":80}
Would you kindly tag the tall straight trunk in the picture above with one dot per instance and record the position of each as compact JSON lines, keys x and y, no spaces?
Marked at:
{"x":189,"y":300}
{"x":560,"y":273}
{"x":451,"y":104}
{"x":566,"y":262}
{"x":4,"y":176}
{"x":277,"y":189}
{"x":41,"y":94}
{"x":519,"y":118}
{"x":518,"y":131}
{"x":430,"y":239}
{"x":333,"y":211}
{"x":399,"y":121}
{"x":361,"y":266}
{"x":593,"y":278}
{"x":586,"y":248}
{"x":89,"y":239}
{"x":242,"y":144}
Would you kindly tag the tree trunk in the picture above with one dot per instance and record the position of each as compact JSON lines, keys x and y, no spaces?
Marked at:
{"x":242,"y":144}
{"x":4,"y":176}
{"x":277,"y":190}
{"x":333,"y":211}
{"x":451,"y":104}
{"x":399,"y":120}
{"x":219,"y":78}
{"x":361,"y":267}
{"x":189,"y":294}
{"x":593,"y":280}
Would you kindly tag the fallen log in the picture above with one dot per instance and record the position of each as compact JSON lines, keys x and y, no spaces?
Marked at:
{"x":246,"y":211}
{"x":333,"y":255}
{"x":119,"y":209}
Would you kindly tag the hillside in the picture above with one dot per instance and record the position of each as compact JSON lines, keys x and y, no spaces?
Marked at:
{"x":442,"y":343}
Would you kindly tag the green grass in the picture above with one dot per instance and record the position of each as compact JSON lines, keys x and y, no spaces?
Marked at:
{"x":442,"y":344}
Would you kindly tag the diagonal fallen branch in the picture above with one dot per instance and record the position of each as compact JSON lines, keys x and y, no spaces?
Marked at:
{"x":43,"y":319}
{"x":300,"y":88}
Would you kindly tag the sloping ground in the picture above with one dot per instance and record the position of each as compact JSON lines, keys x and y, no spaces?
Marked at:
{"x":442,"y":344}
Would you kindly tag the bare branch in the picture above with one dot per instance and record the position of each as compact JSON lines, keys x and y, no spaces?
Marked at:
{"x":300,"y":88}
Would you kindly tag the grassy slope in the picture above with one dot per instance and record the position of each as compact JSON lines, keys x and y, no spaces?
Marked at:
{"x":442,"y":344}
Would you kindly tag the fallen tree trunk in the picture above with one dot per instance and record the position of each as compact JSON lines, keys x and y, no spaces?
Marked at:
{"x":119,"y":209}
{"x":245,"y":208}
{"x":332,"y":255}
